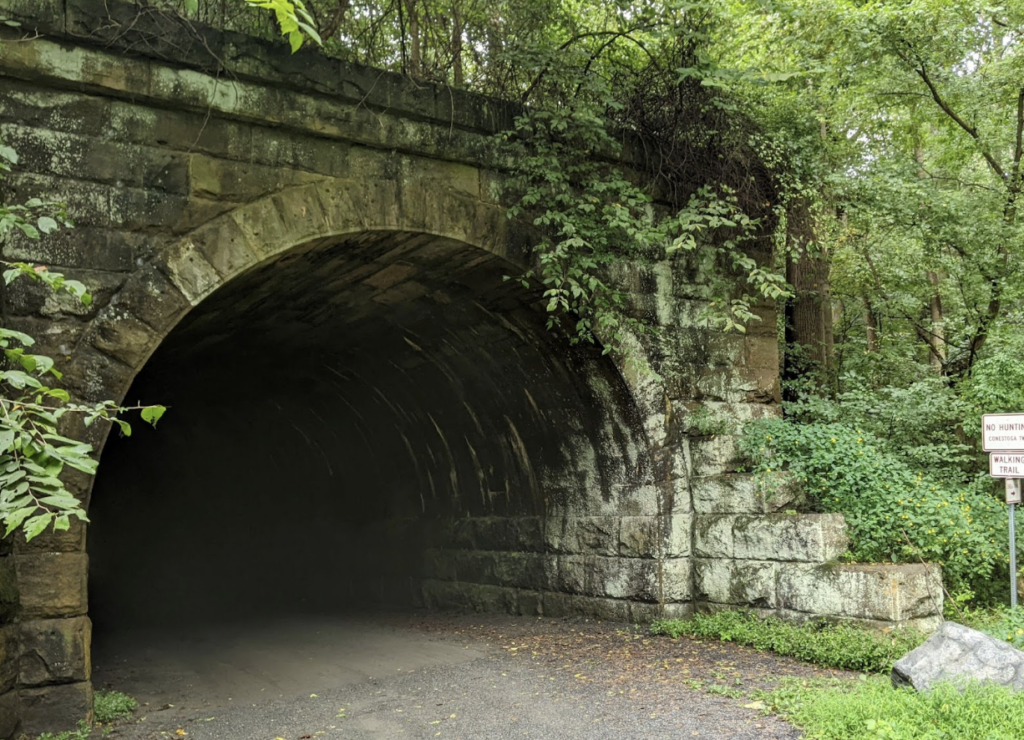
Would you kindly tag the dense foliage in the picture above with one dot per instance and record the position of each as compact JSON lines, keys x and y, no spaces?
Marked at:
{"x":894,"y":511}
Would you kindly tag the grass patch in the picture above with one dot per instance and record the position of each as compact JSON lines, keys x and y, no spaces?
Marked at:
{"x":871,"y":709}
{"x":82,"y":733}
{"x":111,"y":706}
{"x":829,"y":645}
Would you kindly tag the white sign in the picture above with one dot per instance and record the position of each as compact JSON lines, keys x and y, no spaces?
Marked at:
{"x":1006,"y":464}
{"x":1013,"y":491}
{"x":1002,"y":432}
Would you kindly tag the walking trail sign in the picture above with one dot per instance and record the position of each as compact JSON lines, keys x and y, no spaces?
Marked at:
{"x":1002,"y":437}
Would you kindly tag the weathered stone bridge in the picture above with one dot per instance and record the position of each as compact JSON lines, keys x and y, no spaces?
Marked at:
{"x":305,"y":260}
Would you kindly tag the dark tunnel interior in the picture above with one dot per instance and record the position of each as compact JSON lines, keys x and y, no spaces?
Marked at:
{"x":324,"y":409}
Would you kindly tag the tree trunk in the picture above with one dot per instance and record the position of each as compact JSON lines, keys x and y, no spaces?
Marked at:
{"x":937,"y":337}
{"x":809,"y":342}
{"x":870,"y":326}
{"x":457,"y":47}
{"x":414,"y":39}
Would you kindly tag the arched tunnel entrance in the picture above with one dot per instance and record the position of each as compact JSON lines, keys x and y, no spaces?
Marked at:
{"x":380,"y":419}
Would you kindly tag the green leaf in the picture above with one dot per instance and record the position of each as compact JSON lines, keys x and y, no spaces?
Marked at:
{"x":153,"y":414}
{"x":35,"y":525}
{"x":126,"y":428}
{"x":16,"y":517}
{"x":46,"y":224}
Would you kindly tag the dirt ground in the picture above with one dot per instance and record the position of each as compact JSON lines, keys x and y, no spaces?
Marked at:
{"x":430,"y":675}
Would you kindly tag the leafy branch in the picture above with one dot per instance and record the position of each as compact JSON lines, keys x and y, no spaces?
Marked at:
{"x":33,"y":453}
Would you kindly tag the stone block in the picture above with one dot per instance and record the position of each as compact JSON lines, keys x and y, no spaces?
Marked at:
{"x":55,"y":708}
{"x":529,"y":534}
{"x":52,"y":584}
{"x":529,"y":603}
{"x":225,"y":245}
{"x":150,"y":297}
{"x":55,"y":651}
{"x":226,"y":179}
{"x":887,"y":593}
{"x":567,"y":605}
{"x":814,"y":538}
{"x":123,"y":337}
{"x":761,"y":352}
{"x":714,"y":455}
{"x":475,"y":566}
{"x":676,"y":580}
{"x":726,"y":494}
{"x":678,"y":530}
{"x":190,"y":272}
{"x":959,"y":654}
{"x":522,"y":570}
{"x":10,"y":713}
{"x":639,"y":537}
{"x":713,"y":536}
{"x":678,"y":496}
{"x":69,"y":540}
{"x":634,"y":500}
{"x":625,"y":578}
{"x":671,"y":611}
{"x":9,"y":599}
{"x":8,"y":657}
{"x":620,"y":578}
{"x":598,"y":535}
{"x":741,"y":493}
{"x":747,"y":583}
{"x":438,"y":564}
{"x":493,"y":532}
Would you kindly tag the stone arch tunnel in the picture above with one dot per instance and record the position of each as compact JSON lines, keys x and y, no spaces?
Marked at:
{"x":381,"y":417}
{"x":305,"y":259}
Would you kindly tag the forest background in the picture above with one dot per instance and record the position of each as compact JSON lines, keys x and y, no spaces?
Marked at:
{"x":858,"y":163}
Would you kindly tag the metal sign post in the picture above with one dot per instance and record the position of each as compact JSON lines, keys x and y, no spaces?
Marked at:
{"x":1002,"y":436}
{"x":1013,"y":496}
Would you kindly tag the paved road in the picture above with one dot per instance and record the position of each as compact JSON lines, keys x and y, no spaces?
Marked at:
{"x":382,"y":678}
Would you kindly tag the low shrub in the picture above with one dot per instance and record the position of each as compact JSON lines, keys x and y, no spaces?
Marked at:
{"x":871,"y":709}
{"x":893,"y":512}
{"x":830,"y":645}
{"x":110,"y":706}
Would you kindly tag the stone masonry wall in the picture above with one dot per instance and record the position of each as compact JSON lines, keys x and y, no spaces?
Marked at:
{"x":191,"y":158}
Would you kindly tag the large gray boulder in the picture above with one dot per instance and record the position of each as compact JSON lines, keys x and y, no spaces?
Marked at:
{"x":959,"y":654}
